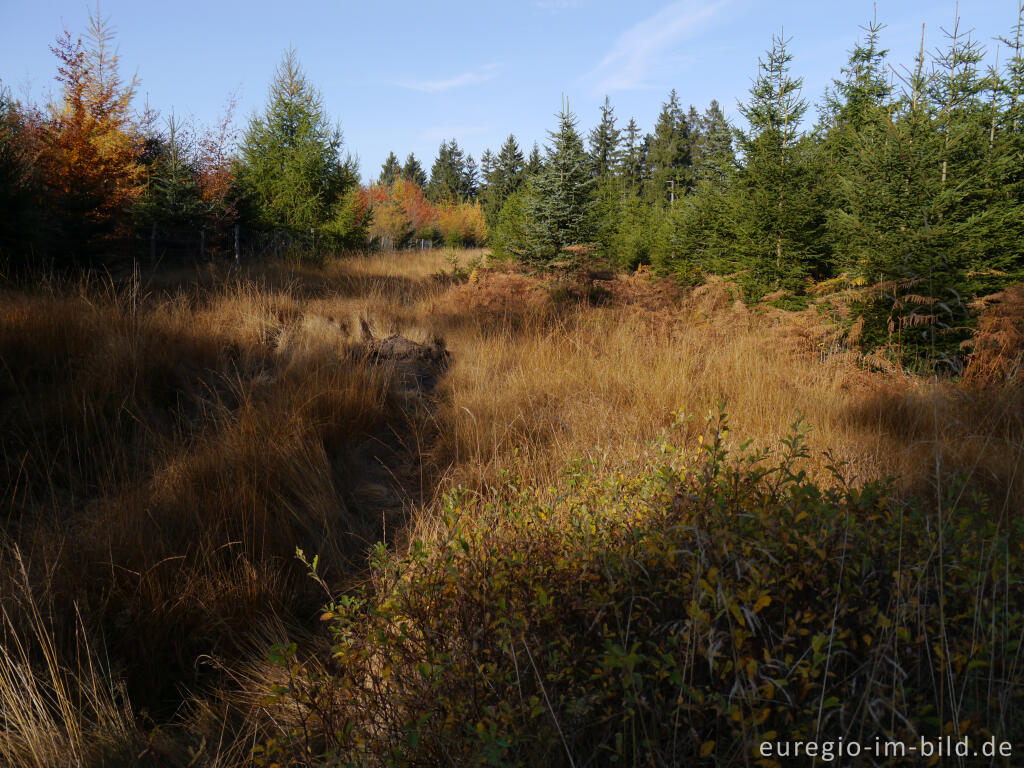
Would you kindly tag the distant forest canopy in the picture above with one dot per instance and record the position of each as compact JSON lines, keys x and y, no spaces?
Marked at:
{"x":909,"y":181}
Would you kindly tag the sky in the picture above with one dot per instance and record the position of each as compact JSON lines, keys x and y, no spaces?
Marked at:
{"x":404,"y":76}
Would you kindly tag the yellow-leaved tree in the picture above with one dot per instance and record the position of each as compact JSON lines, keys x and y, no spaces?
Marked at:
{"x":90,"y":146}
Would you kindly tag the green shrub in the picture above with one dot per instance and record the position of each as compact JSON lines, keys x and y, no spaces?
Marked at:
{"x":510,"y":238}
{"x":673,"y":614}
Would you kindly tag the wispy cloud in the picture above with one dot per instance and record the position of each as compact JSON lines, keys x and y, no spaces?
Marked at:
{"x":645,"y":45}
{"x":447,"y":84}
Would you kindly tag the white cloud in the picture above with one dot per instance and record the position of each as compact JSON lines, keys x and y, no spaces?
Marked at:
{"x":647,"y":44}
{"x":458,"y":81}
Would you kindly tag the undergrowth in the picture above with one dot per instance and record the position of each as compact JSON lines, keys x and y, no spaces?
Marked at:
{"x":167,"y":442}
{"x":678,"y":611}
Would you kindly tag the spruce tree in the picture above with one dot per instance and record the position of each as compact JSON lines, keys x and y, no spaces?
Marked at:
{"x":413,"y":171}
{"x":509,"y":165}
{"x":890,"y":210}
{"x":854,"y":100}
{"x":611,"y":208}
{"x":699,"y":236}
{"x":855,"y":108}
{"x":506,"y":175}
{"x":470,"y":179}
{"x":19,"y":188}
{"x":486,"y":169}
{"x":715,"y":160}
{"x":448,"y":178}
{"x":173,"y":196}
{"x":534,"y":163}
{"x":290,"y":154}
{"x":963,"y":97}
{"x":560,"y":209}
{"x":779,"y":223}
{"x":633,"y":156}
{"x":668,"y":154}
{"x":1002,"y":223}
{"x":508,"y":235}
{"x":390,"y":170}
{"x":695,"y":139}
{"x":605,"y":144}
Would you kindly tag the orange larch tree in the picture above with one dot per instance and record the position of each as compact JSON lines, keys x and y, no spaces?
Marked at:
{"x":90,"y":146}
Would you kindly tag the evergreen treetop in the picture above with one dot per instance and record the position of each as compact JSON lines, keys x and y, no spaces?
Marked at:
{"x":390,"y":170}
{"x":779,"y":225}
{"x":560,"y":210}
{"x":413,"y":171}
{"x":534,"y":163}
{"x":633,"y":155}
{"x":605,"y":143}
{"x":290,"y":153}
{"x":668,"y":158}
{"x":449,"y":181}
{"x":865,"y":86}
{"x":503,"y":177}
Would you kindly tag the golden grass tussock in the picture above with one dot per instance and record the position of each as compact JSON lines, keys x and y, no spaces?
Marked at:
{"x":168,"y":442}
{"x":55,"y":714}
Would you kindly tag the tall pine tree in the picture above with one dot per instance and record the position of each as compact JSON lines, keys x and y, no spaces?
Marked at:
{"x":699,"y":236}
{"x":1002,"y":221}
{"x":854,"y":112}
{"x":633,"y":153}
{"x":448,"y":175}
{"x":505,"y":177}
{"x":534,"y":163}
{"x":470,"y":179}
{"x":173,"y":196}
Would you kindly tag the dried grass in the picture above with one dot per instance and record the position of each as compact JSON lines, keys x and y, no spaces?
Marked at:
{"x":166,"y":447}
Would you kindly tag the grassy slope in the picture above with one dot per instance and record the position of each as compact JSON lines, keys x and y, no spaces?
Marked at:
{"x":167,"y":446}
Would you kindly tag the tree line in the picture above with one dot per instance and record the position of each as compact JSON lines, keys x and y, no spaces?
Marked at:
{"x":908,"y":189}
{"x":87,"y":174}
{"x":907,"y":185}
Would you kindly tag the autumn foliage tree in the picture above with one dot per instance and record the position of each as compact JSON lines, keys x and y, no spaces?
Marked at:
{"x":89,"y":147}
{"x":215,"y":164}
{"x":401,"y":212}
{"x":398,"y":212}
{"x":462,"y":224}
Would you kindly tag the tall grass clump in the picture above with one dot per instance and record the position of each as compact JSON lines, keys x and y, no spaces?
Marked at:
{"x":164,"y":454}
{"x":54,"y":714}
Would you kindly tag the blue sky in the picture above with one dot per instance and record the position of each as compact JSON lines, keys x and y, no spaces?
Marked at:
{"x":403,"y":76}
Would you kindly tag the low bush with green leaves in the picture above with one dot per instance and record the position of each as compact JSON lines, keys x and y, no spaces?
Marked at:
{"x":677,"y":611}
